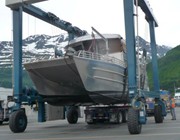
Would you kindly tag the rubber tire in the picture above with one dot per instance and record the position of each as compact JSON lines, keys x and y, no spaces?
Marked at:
{"x":124,"y":116}
{"x":120,"y":118}
{"x":134,"y":126}
{"x":90,"y":123}
{"x":72,"y":115}
{"x":18,"y":121}
{"x":1,"y":122}
{"x":158,"y":114}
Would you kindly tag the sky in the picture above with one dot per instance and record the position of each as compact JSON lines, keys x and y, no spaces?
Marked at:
{"x":107,"y":16}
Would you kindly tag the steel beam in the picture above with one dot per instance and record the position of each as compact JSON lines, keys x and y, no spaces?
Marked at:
{"x":47,"y":17}
{"x":17,"y":52}
{"x":13,"y":4}
{"x":145,"y":6}
{"x":130,"y":44}
{"x":41,"y":111}
{"x":154,"y":56}
{"x":54,"y":20}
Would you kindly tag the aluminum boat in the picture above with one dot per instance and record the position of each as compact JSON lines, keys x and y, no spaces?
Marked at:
{"x":92,"y":71}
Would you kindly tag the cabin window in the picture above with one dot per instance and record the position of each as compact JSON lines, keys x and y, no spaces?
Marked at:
{"x":91,"y":45}
{"x":101,"y":46}
{"x":114,"y":46}
{"x":78,"y":47}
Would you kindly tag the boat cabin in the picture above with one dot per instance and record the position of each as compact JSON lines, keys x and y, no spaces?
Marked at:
{"x":95,"y":44}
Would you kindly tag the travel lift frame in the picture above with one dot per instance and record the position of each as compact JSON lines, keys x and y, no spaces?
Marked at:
{"x":137,"y":112}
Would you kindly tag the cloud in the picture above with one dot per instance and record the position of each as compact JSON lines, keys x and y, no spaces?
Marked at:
{"x":106,"y":16}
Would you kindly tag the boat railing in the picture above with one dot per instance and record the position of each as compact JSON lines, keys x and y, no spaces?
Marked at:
{"x":96,"y":56}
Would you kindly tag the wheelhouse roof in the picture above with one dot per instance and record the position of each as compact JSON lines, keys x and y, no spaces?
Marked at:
{"x":89,"y":37}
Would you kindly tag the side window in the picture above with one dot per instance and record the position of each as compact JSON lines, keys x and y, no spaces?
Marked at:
{"x":78,"y":47}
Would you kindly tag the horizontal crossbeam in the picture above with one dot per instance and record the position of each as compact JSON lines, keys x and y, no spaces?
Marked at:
{"x":13,"y":4}
{"x":145,"y":6}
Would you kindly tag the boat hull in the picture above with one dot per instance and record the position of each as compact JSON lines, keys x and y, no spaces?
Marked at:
{"x":105,"y":82}
{"x":79,"y":81}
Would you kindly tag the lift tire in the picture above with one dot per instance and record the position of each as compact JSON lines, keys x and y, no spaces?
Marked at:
{"x":124,"y":116}
{"x":134,"y":126}
{"x":72,"y":115}
{"x":18,"y":121}
{"x":119,"y":117}
{"x":158,"y":114}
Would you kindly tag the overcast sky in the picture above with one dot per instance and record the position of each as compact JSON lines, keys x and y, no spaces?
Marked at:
{"x":107,"y":16}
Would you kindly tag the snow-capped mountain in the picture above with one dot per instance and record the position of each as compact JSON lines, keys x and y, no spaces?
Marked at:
{"x":161,"y":50}
{"x":40,"y":44}
{"x":43,"y":46}
{"x":34,"y":47}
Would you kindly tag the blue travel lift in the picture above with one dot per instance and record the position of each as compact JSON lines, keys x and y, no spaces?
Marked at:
{"x":136,"y":113}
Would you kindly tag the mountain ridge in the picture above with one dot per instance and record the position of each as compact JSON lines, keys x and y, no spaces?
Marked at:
{"x":36,"y":46}
{"x":169,"y":70}
{"x":41,"y":46}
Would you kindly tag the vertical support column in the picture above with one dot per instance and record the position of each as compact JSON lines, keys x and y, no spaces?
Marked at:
{"x":130,"y":44}
{"x":17,"y":52}
{"x":154,"y":56}
{"x":41,"y":111}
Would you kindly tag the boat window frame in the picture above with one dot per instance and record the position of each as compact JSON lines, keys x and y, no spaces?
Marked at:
{"x":74,"y":46}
